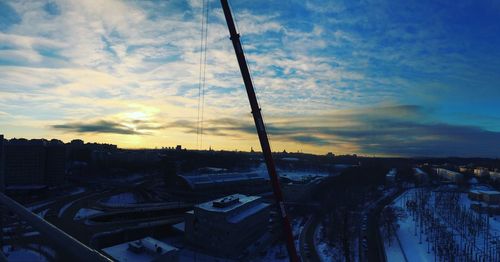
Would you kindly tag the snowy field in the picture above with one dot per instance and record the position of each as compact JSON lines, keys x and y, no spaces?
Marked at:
{"x":278,"y":252}
{"x":43,"y":213}
{"x":121,"y":199}
{"x":292,"y":175}
{"x":326,"y":252}
{"x":64,"y":208}
{"x":84,"y":213}
{"x":445,"y":221}
{"x":77,"y":191}
{"x":39,"y":205}
{"x":275,"y":253}
{"x":407,"y":246}
{"x":23,"y":255}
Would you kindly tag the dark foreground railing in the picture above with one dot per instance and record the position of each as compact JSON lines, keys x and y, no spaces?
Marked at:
{"x":71,"y":247}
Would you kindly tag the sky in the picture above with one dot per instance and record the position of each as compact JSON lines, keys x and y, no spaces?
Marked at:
{"x":371,"y":77}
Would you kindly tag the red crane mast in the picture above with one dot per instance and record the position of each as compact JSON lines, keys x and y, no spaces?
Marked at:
{"x":261,"y":131}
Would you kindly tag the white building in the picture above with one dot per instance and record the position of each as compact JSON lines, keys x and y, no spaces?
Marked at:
{"x":449,"y":175}
{"x":495,"y":175}
{"x":481,"y":172}
{"x":227,"y":226}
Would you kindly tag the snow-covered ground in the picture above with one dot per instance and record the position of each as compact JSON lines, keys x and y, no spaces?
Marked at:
{"x":297,"y":227}
{"x":121,"y":199}
{"x":326,"y":252}
{"x":393,"y":251}
{"x":77,"y":191}
{"x":301,"y":175}
{"x":292,"y":175}
{"x":84,"y":213}
{"x":411,"y":243}
{"x":43,"y":213}
{"x":22,"y":255}
{"x":406,"y":246}
{"x":275,"y":253}
{"x":63,"y":209}
{"x":278,"y":252}
{"x":39,"y":205}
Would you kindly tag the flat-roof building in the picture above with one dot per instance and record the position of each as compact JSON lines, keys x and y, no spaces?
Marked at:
{"x":449,"y":175}
{"x":227,"y":226}
{"x":215,"y":181}
{"x":487,"y":196}
{"x":146,"y":249}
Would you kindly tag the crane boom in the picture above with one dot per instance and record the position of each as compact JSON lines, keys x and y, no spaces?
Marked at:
{"x":261,"y":131}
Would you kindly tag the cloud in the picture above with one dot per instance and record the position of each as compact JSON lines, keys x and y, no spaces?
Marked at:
{"x":8,"y":16}
{"x":391,"y":130}
{"x":325,"y":6}
{"x":133,"y":127}
{"x":101,"y":126}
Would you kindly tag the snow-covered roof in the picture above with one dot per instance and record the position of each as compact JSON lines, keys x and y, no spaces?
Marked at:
{"x":392,"y":172}
{"x":290,"y":159}
{"x":242,"y":200}
{"x":210,"y":180}
{"x":485,"y":192}
{"x":419,"y":171}
{"x":491,"y":192}
{"x":247,"y":213}
{"x":150,"y":249}
{"x":26,"y":187}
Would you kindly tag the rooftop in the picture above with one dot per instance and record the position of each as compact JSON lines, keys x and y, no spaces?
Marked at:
{"x":486,"y":192}
{"x":227,"y":203}
{"x":208,"y":180}
{"x":247,"y":212}
{"x":145,"y":249}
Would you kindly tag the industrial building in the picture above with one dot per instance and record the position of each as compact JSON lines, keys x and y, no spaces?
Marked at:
{"x":217,"y":181}
{"x":227,"y":226}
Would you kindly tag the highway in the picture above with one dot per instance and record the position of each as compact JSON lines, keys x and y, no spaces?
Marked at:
{"x":61,"y":210}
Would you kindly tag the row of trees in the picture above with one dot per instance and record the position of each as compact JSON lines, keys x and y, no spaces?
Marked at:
{"x":343,"y":200}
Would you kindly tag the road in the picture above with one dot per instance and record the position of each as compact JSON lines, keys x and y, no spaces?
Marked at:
{"x":306,"y":241}
{"x":61,"y":210}
{"x":375,"y":243}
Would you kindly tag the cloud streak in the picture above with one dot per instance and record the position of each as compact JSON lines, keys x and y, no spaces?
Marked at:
{"x":101,"y":126}
{"x":394,"y":131}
